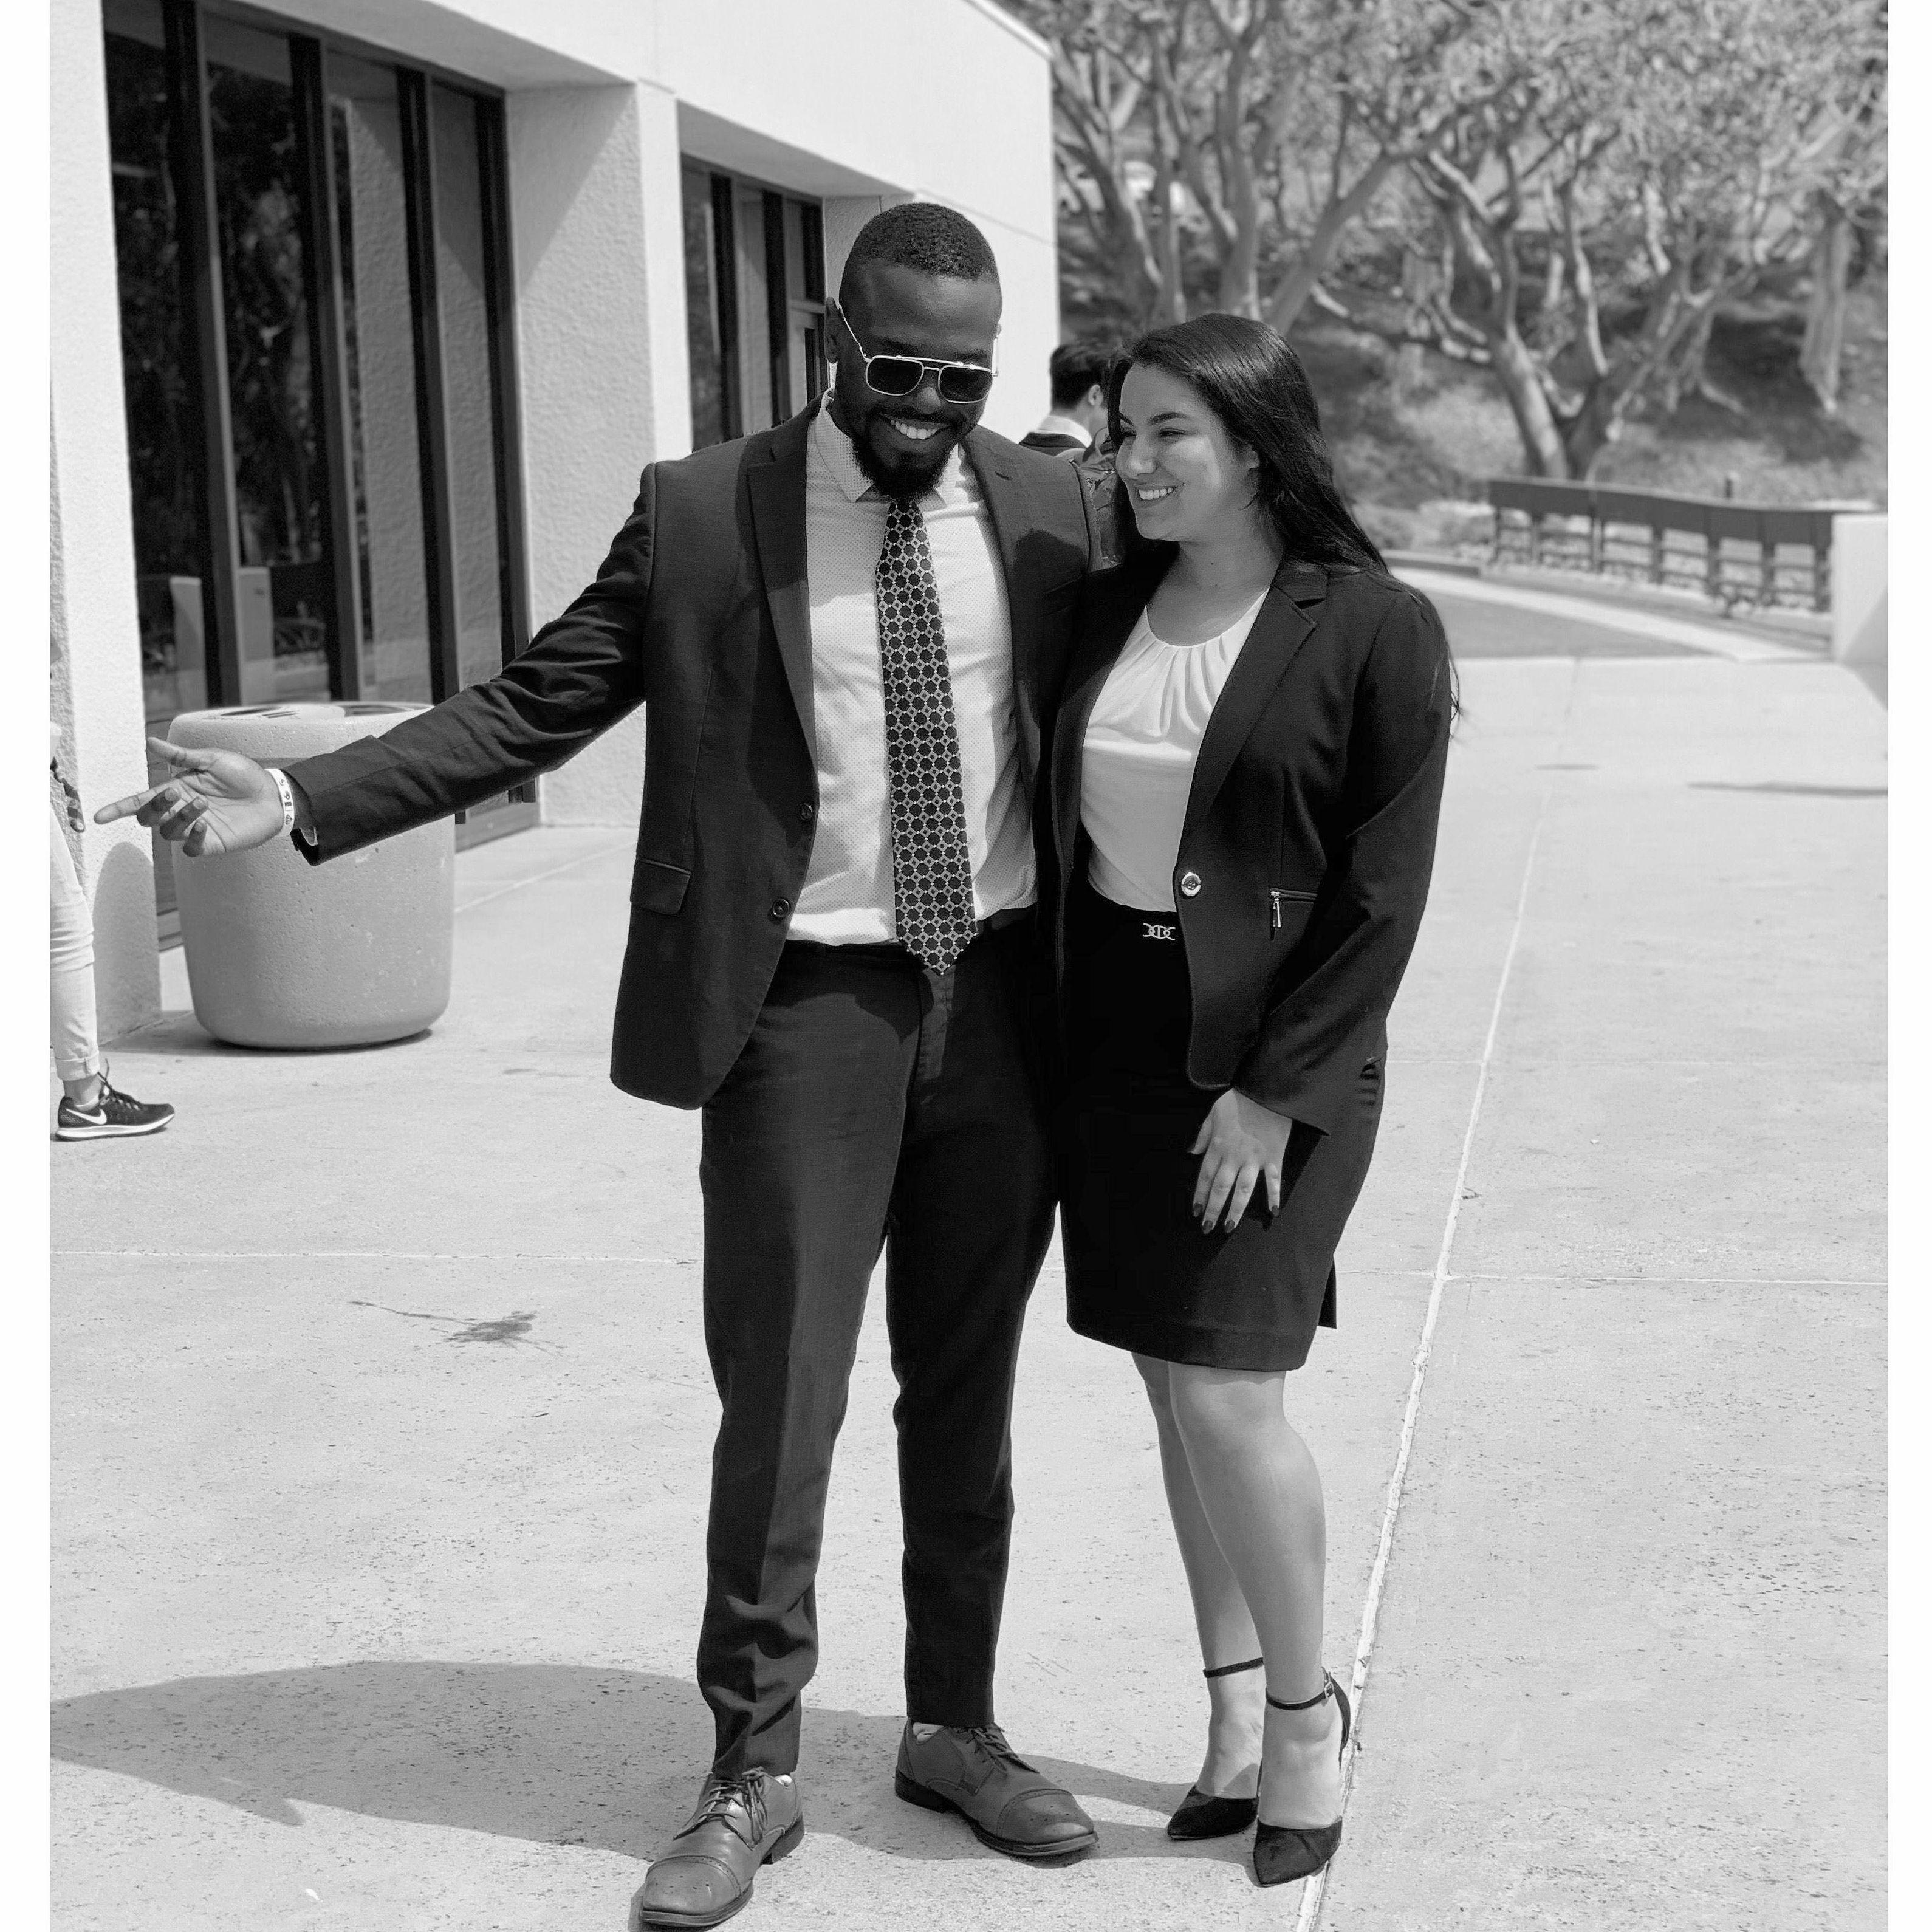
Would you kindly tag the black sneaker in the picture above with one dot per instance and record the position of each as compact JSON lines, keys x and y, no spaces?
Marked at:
{"x":112,"y":1116}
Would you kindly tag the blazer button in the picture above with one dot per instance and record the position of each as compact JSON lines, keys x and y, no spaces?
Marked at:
{"x":780,"y":907}
{"x":807,"y":812}
{"x":1190,"y":884}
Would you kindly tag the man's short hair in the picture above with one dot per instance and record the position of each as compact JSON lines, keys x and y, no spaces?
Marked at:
{"x":922,"y":235}
{"x":1074,"y":367}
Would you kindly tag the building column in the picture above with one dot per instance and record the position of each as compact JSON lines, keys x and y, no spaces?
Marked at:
{"x":96,"y":630}
{"x":603,"y":366}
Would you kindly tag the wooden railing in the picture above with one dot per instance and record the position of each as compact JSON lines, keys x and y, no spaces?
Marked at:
{"x":1737,"y":553}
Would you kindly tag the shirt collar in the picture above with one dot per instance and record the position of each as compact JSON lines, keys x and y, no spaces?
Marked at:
{"x":835,"y":450}
{"x":1058,"y":425}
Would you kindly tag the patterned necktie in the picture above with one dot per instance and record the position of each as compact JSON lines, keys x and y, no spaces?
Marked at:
{"x":932,"y":870}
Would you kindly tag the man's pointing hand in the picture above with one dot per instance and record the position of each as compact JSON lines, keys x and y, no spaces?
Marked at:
{"x":209,"y":802}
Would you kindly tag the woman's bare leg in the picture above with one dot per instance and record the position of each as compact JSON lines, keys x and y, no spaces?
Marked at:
{"x":1233,"y":1759}
{"x":1258,"y":1488}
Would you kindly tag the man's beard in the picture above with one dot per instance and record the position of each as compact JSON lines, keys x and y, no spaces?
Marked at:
{"x":898,"y":476}
{"x":909,"y":477}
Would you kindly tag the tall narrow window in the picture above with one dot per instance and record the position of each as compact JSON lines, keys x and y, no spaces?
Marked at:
{"x":280,"y":497}
{"x":157,"y":362}
{"x":754,"y":296}
{"x":805,"y":283}
{"x":709,"y":316}
{"x":372,"y":248}
{"x":159,"y":382}
{"x":751,"y":263}
{"x":463,"y":301}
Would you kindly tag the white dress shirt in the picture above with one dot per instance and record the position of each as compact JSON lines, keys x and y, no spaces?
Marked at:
{"x":847,"y":896}
{"x":1137,"y":760}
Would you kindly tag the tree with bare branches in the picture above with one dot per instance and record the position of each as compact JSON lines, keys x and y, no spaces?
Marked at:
{"x":1577,"y":234}
{"x":1221,"y":150}
{"x":1563,"y":192}
{"x":1849,"y":197}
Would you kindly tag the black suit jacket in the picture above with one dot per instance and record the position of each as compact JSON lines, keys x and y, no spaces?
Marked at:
{"x":1310,"y":828}
{"x":701,"y":612}
{"x":1052,"y":443}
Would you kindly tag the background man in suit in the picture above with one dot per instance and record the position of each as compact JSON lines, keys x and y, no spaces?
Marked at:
{"x":1078,"y":372}
{"x":847,"y":633}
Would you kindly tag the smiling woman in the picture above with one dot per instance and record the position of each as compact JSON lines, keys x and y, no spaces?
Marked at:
{"x":1192,"y":385}
{"x":1247,"y":769}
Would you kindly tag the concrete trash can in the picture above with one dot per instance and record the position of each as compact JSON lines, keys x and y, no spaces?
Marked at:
{"x":281,"y":953}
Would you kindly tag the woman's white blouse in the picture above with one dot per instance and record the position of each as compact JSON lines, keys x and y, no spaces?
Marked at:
{"x":1143,"y":737}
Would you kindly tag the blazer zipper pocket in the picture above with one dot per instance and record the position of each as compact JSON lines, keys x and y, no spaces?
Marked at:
{"x":1275,"y":895}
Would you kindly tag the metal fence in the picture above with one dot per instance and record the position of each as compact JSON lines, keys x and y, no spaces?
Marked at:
{"x":1734,"y":553}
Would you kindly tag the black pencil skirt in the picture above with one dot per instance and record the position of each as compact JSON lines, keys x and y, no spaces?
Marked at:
{"x":1140,"y":1274}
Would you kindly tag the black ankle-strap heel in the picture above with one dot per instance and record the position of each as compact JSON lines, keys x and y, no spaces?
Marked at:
{"x":1230,"y":1669}
{"x":1284,"y":1853}
{"x":1200,"y":1816}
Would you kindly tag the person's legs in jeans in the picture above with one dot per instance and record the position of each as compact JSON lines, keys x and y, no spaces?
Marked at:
{"x":76,"y":1047}
{"x":91,"y":1109}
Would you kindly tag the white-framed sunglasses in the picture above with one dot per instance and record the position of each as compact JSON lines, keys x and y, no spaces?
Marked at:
{"x":901,"y":375}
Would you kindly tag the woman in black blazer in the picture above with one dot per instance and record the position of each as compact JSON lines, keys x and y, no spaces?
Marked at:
{"x":1247,"y":772}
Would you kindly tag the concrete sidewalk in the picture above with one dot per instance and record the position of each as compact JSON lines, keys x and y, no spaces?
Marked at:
{"x":382,"y":1420}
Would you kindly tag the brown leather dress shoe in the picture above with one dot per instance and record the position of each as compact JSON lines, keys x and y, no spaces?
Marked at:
{"x":740,"y":1824}
{"x":1009,"y":1804}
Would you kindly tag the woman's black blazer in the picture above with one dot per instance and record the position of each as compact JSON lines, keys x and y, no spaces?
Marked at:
{"x":1310,"y":831}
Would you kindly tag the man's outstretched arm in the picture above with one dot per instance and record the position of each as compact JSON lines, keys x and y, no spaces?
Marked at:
{"x":582,"y":673}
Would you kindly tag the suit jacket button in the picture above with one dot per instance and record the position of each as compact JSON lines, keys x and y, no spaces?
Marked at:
{"x":1190,"y":884}
{"x":807,"y":812}
{"x":780,"y":907}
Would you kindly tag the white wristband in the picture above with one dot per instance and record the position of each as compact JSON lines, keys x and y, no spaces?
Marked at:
{"x":283,"y":786}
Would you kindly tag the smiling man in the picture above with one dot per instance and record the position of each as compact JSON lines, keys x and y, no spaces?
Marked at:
{"x":847,"y":633}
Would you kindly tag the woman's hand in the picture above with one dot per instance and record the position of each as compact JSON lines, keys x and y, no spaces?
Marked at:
{"x":1243,"y":1141}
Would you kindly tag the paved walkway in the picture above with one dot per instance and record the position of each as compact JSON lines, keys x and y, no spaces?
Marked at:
{"x":382,"y":1417}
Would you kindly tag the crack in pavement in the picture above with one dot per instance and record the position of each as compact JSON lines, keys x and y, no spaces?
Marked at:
{"x":1314,"y":1892}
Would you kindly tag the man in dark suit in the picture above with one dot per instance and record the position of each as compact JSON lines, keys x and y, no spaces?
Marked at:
{"x":847,"y":633}
{"x":1077,"y":372}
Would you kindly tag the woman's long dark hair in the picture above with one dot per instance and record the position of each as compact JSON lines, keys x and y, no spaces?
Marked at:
{"x":1254,"y":383}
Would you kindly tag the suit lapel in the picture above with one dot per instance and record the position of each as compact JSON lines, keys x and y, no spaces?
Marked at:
{"x":1115,"y":600}
{"x":994,"y":475}
{"x":777,"y":487}
{"x":1280,"y":627}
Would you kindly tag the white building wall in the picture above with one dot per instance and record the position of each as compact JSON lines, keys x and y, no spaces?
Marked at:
{"x":95,"y":628}
{"x":597,"y":244}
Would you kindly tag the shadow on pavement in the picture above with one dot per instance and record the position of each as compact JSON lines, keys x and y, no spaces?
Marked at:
{"x":1788,"y":789}
{"x":554,"y":1753}
{"x":1873,"y":677}
{"x":177,"y":1032}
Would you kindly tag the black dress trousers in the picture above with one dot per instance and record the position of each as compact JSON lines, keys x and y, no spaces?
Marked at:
{"x":875,"y":1104}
